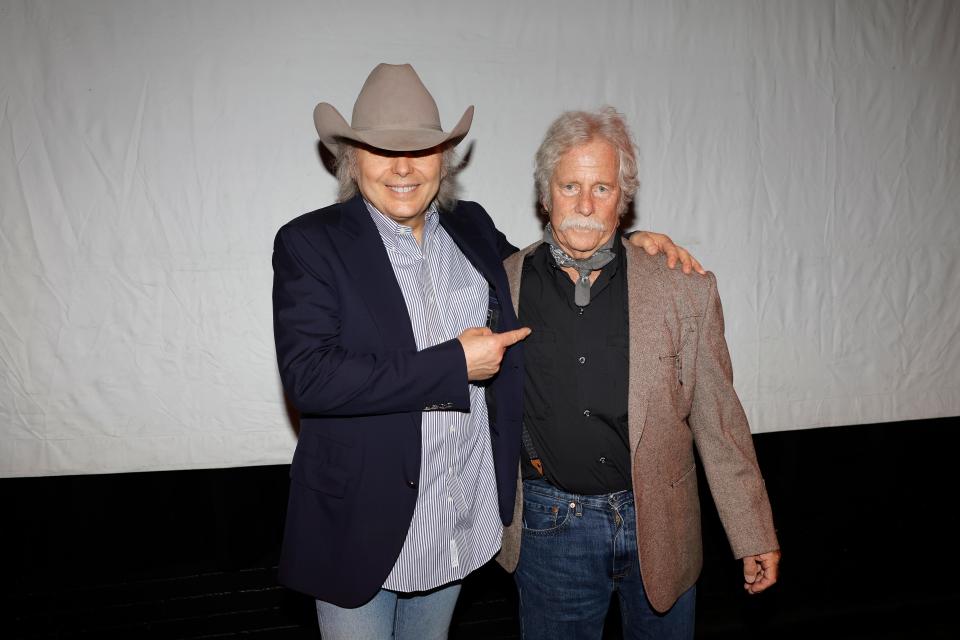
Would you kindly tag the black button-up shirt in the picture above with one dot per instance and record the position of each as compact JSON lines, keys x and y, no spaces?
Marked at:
{"x":577,"y":367}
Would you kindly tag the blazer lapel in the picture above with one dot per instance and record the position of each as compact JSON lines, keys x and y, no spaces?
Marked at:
{"x":463,"y":236}
{"x":488,"y":263}
{"x":645,"y":320}
{"x":365,"y":257}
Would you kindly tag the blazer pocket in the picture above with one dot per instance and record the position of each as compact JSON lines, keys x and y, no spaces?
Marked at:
{"x":671,"y":365}
{"x":684,"y":476}
{"x":679,"y":365}
{"x":325,"y":465}
{"x":687,"y":354}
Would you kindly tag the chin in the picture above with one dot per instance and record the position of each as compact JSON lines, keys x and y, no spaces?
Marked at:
{"x":405,"y":210}
{"x":584,"y":240}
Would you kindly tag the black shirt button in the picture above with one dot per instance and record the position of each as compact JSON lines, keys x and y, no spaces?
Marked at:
{"x":602,"y":460}
{"x":586,"y":412}
{"x":411,"y":484}
{"x":581,"y":359}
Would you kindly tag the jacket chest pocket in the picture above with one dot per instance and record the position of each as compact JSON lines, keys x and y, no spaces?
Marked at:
{"x":678,"y":363}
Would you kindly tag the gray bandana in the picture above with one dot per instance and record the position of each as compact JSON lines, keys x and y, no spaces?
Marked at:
{"x":600,"y":258}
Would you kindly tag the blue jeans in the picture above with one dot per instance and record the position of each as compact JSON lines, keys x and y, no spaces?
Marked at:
{"x":401,"y":616}
{"x":576,"y":552}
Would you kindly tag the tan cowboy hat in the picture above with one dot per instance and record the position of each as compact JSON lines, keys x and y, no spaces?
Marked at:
{"x":394,"y":111}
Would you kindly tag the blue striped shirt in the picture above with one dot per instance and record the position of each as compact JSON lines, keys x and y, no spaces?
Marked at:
{"x":456,"y":526}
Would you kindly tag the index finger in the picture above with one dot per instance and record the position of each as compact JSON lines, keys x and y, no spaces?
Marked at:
{"x":508,"y":338}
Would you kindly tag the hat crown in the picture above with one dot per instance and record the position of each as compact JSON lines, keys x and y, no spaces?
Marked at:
{"x":394,"y":97}
{"x":394,"y":112}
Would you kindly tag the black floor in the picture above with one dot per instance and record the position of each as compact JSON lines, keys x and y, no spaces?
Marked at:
{"x":867,"y":518}
{"x":249,"y":604}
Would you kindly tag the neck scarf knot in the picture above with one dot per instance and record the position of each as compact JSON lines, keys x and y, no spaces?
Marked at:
{"x":600,"y":258}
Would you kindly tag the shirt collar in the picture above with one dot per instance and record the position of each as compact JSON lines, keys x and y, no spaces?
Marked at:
{"x":391,"y":230}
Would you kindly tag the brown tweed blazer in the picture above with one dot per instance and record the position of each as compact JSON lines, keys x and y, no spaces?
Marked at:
{"x":681,"y":394}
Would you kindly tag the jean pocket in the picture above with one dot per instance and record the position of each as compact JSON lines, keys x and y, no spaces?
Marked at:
{"x":543,"y":516}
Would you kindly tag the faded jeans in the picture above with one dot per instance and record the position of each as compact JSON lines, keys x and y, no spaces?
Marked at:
{"x":401,"y":616}
{"x":576,"y":552}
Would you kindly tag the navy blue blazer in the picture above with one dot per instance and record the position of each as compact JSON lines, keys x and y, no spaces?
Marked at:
{"x":349,"y":364}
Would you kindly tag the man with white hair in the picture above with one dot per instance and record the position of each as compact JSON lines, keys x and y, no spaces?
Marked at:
{"x":626,"y":369}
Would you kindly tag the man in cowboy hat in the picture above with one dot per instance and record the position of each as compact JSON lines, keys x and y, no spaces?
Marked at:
{"x":391,"y":325}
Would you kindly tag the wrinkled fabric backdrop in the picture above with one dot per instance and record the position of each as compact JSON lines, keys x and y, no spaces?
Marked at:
{"x":806,"y":152}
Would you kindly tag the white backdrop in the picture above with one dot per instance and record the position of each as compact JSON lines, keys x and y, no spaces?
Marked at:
{"x":807,"y":152}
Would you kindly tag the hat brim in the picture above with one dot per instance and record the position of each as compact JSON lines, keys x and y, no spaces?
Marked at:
{"x":333,"y":128}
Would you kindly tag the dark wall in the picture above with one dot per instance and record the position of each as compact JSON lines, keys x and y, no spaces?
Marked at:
{"x":866,"y":517}
{"x":867,"y":520}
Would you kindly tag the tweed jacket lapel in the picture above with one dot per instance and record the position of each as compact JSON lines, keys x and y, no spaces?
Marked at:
{"x":514,"y":268}
{"x":645,"y":310}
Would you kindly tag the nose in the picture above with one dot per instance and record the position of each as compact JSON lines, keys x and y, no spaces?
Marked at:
{"x":585,"y":203}
{"x":401,"y":166}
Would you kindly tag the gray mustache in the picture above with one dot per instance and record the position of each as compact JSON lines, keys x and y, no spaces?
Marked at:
{"x":582,"y":224}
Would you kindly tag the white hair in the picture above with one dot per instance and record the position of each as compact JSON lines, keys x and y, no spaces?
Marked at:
{"x":574,"y":128}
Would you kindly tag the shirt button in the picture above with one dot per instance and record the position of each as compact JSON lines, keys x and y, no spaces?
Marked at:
{"x":450,"y":470}
{"x":586,"y":412}
{"x":453,"y":429}
{"x":602,"y":460}
{"x":581,"y":359}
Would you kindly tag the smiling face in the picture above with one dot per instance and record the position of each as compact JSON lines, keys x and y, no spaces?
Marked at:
{"x":400,"y":185}
{"x":585,"y":193}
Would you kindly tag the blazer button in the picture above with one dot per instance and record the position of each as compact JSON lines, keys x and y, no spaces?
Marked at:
{"x":411,"y":484}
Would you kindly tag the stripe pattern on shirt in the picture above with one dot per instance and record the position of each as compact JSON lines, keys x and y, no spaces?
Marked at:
{"x":456,"y":526}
